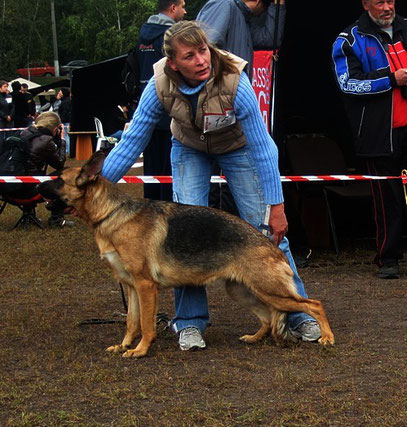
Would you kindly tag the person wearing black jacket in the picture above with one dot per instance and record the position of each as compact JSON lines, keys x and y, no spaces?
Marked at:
{"x":6,"y":109}
{"x":30,"y":103}
{"x":46,"y":148}
{"x":64,"y":112}
{"x":149,"y":50}
{"x":20,"y":105}
{"x":370,"y":65}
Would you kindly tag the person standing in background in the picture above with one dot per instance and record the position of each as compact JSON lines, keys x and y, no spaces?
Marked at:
{"x":148,"y":51}
{"x":370,"y":66}
{"x":6,"y":109}
{"x":241,"y":26}
{"x":20,"y":105}
{"x":64,"y":112}
{"x":30,"y":103}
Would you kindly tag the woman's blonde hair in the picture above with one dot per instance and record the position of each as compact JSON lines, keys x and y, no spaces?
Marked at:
{"x":190,"y":33}
{"x":48,"y":120}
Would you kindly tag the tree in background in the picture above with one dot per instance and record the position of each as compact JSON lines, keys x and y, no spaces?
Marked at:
{"x":25,"y":35}
{"x":99,"y":29}
{"x":94,"y":30}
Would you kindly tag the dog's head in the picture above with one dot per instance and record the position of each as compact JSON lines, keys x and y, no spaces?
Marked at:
{"x":71,"y":184}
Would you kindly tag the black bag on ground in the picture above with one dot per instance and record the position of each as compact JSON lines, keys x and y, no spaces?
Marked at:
{"x":13,"y":160}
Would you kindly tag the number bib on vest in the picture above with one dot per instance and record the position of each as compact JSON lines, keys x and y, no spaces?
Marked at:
{"x":214,"y":122}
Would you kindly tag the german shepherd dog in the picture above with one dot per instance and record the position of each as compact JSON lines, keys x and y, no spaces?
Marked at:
{"x":151,"y":244}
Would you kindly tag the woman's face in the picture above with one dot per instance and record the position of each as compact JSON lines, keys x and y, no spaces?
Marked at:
{"x":3,"y":88}
{"x":193,"y":62}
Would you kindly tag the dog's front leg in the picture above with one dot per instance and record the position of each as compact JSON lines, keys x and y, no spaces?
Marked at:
{"x":147,"y":292}
{"x":133,"y":330}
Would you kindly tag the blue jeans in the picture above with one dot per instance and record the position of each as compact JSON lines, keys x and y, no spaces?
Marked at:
{"x":191,"y":170}
{"x":67,"y":138}
{"x":118,"y":135}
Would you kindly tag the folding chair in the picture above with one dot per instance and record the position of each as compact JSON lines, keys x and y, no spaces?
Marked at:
{"x":27,"y":202}
{"x":27,"y":207}
{"x":103,"y":143}
{"x":101,"y":139}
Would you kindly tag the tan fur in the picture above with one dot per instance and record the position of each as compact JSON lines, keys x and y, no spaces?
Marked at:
{"x":132,"y":241}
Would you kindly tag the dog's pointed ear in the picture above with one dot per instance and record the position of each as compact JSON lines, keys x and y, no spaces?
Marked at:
{"x":91,"y":169}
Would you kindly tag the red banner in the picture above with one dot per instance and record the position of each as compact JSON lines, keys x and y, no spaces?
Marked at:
{"x":262,"y":71}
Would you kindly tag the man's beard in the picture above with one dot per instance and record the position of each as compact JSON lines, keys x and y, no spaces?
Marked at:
{"x":383,"y":22}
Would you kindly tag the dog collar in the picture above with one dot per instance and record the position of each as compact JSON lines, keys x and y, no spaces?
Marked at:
{"x":108,"y":216}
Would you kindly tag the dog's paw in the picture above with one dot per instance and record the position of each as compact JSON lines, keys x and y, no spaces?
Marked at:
{"x":325,"y":341}
{"x":115,"y":349}
{"x":134,"y":353}
{"x":249,"y":339}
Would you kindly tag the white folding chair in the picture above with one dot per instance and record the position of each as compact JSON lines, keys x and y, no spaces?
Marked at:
{"x":101,"y":139}
{"x":103,"y":142}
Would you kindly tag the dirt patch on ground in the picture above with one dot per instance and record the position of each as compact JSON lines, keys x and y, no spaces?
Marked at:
{"x":56,"y":372}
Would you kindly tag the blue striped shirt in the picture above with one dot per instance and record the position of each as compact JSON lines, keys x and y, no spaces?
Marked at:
{"x":262,"y":147}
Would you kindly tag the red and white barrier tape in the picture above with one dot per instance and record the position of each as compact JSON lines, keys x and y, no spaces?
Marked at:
{"x":11,"y":129}
{"x":214,"y":179}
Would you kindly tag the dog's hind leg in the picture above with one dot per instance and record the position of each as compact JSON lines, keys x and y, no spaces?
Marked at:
{"x":272,"y":283}
{"x":147,"y":292}
{"x":239,"y":293}
{"x":310,"y":306}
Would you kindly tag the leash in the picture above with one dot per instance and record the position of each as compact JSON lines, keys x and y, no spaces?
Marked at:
{"x":123,"y":297}
{"x":94,"y":321}
{"x":160,"y":318}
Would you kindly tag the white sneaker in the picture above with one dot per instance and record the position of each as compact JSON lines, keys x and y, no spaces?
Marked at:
{"x":307,"y":331}
{"x":190,"y":339}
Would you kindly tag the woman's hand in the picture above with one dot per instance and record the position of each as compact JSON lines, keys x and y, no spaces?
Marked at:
{"x":401,"y":77}
{"x":62,"y":131}
{"x":278,"y":223}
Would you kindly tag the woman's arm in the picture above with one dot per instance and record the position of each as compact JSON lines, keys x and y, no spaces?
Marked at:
{"x":262,"y":147}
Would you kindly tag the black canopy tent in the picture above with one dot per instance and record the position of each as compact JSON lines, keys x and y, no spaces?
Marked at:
{"x":96,"y":91}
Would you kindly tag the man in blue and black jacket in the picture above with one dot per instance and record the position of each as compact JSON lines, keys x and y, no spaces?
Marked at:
{"x":370,"y":65}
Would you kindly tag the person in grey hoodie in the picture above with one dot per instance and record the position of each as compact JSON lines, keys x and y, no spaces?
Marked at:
{"x":240,"y":26}
{"x":148,"y":51}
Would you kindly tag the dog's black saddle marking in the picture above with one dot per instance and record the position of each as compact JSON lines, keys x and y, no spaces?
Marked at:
{"x":198,"y":237}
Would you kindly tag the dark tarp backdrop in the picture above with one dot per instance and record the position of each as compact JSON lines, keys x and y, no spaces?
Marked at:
{"x":96,"y":91}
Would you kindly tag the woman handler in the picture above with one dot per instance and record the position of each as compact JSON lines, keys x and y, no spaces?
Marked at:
{"x":215,"y":118}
